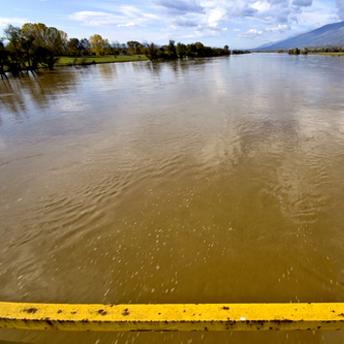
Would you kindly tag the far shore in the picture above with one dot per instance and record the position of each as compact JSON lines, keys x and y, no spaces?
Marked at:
{"x":89,"y":60}
{"x":328,"y":54}
{"x":309,"y":53}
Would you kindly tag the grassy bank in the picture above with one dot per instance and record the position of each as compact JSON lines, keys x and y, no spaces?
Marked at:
{"x":328,"y":54}
{"x":309,"y":53}
{"x":74,"y":61}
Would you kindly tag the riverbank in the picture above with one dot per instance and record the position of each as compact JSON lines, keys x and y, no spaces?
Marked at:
{"x":309,"y":53}
{"x":328,"y":54}
{"x":79,"y":61}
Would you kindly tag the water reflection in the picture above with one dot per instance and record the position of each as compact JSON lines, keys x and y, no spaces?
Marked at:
{"x":108,"y":71}
{"x":11,"y":99}
{"x":20,"y":95}
{"x":216,"y":180}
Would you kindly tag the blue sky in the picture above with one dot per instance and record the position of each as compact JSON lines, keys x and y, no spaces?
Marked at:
{"x":238,"y":23}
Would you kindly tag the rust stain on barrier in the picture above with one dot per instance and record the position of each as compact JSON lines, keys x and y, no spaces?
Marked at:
{"x":172,"y":317}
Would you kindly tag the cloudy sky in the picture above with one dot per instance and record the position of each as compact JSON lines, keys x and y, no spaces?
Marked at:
{"x":238,"y":23}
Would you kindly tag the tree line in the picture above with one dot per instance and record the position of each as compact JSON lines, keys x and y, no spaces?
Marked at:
{"x":31,"y":46}
{"x":306,"y":51}
{"x":297,"y":51}
{"x":36,"y":45}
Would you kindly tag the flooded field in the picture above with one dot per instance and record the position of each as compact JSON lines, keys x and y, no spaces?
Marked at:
{"x":216,"y":180}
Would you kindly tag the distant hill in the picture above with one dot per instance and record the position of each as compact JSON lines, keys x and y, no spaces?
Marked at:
{"x":328,"y":35}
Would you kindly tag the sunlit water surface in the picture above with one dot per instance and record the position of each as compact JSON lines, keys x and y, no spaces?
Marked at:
{"x":216,"y":180}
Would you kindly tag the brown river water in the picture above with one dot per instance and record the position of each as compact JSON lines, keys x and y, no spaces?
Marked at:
{"x":216,"y":180}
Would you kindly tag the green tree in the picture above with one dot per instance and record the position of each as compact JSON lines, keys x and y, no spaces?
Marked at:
{"x":85,"y":47}
{"x":45,"y":42}
{"x":295,"y":51}
{"x":4,"y":55}
{"x":151,"y":51}
{"x":98,"y":45}
{"x":44,"y":36}
{"x":74,"y":47}
{"x":171,"y":50}
{"x":16,"y":54}
{"x":196,"y":50}
{"x":181,"y":50}
{"x":135,"y":48}
{"x":34,"y":44}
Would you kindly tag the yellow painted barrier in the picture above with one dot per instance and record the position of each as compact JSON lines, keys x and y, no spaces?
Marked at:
{"x":172,"y":317}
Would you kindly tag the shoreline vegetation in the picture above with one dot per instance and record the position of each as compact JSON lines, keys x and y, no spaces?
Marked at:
{"x":332,"y":51}
{"x":35,"y":46}
{"x":326,"y":51}
{"x":64,"y":61}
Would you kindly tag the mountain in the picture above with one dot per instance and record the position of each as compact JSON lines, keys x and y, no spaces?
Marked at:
{"x":328,"y":35}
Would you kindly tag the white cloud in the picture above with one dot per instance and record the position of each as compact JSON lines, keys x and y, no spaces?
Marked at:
{"x":215,"y":16}
{"x":125,"y":16}
{"x":215,"y":13}
{"x":278,"y":28}
{"x":94,"y":18}
{"x":4,"y":21}
{"x":261,"y":6}
{"x":251,"y":33}
{"x":206,"y":18}
{"x":180,"y":6}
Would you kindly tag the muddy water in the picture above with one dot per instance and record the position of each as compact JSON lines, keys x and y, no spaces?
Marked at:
{"x":215,"y":180}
